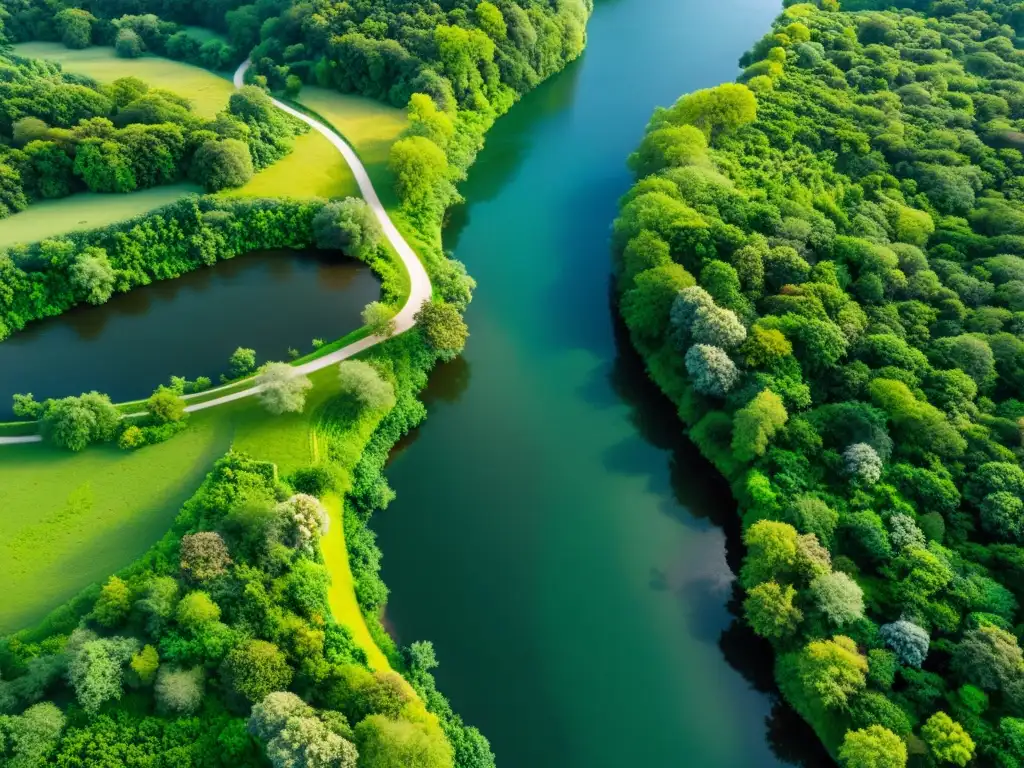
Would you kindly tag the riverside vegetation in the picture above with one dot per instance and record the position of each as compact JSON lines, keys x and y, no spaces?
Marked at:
{"x":217,"y":647}
{"x":823,"y":267}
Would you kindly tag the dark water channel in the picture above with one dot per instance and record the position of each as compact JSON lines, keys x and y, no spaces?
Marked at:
{"x":268,"y":301}
{"x":555,"y":534}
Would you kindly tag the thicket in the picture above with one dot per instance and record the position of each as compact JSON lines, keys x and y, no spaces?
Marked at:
{"x":61,"y":134}
{"x":823,"y":265}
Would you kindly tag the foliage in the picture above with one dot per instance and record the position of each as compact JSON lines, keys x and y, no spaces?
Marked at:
{"x":348,"y":225}
{"x":442,"y":328}
{"x":947,"y":739}
{"x":282,"y":388}
{"x":841,"y":230}
{"x":361,"y":382}
{"x":873,"y":747}
{"x":75,"y":422}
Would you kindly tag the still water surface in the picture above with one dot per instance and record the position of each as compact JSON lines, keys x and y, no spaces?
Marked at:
{"x":268,"y":301}
{"x":555,"y":535}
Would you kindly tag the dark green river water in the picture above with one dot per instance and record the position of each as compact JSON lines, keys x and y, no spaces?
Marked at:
{"x":555,"y":535}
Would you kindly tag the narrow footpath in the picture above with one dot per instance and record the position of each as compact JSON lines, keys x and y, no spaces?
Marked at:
{"x":419,"y":292}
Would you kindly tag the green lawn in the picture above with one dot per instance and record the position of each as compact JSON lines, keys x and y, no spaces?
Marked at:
{"x":51,"y":218}
{"x":68,"y":520}
{"x":208,"y":92}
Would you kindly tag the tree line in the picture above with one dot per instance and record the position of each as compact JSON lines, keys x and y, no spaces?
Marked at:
{"x":823,"y":266}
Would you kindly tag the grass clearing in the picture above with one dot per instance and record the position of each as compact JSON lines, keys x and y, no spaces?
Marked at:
{"x":72,"y":519}
{"x":341,"y":595}
{"x":88,"y":210}
{"x":313,"y":169}
{"x":208,"y":92}
{"x":367,"y":125}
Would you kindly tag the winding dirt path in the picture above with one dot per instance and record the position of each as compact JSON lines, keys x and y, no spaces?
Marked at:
{"x":420,"y":290}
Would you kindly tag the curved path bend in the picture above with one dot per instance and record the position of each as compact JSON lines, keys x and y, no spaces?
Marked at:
{"x":420,"y":288}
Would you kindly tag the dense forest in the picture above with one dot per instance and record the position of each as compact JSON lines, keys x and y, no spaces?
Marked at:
{"x":61,"y":133}
{"x":823,"y":266}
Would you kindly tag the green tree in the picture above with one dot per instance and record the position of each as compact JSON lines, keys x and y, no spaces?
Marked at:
{"x":33,"y":735}
{"x":196,"y":610}
{"x":242,"y":362}
{"x":770,"y":610}
{"x":178,"y":691}
{"x":947,"y":740}
{"x":988,"y":657}
{"x":165,"y":406}
{"x":669,"y":147}
{"x":646,"y":306}
{"x":421,"y":175}
{"x":443,"y":329}
{"x":362,"y":382}
{"x":348,"y":225}
{"x":756,"y":423}
{"x":222,"y":164}
{"x":96,"y":670}
{"x":92,"y":275}
{"x":832,"y":671}
{"x":113,"y":604}
{"x":872,"y":747}
{"x":282,"y":389}
{"x":145,"y":664}
{"x":75,"y":27}
{"x":716,"y":111}
{"x":128,"y":44}
{"x":838,"y":597}
{"x":75,"y":422}
{"x":771,"y":552}
{"x":379,"y":318}
{"x":384,"y":743}
{"x":254,"y":669}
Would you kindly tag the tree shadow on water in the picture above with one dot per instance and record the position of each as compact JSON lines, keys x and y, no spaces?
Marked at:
{"x":698,"y":492}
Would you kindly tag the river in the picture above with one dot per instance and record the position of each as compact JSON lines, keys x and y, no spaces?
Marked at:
{"x":268,"y":301}
{"x":555,"y":535}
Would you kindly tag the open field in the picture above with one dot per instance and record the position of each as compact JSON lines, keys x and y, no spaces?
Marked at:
{"x":313,"y":169}
{"x":71,"y":519}
{"x":208,"y":92}
{"x":88,"y":210}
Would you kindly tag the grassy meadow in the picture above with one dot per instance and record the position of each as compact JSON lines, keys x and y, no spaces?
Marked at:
{"x":87,"y":210}
{"x":208,"y":92}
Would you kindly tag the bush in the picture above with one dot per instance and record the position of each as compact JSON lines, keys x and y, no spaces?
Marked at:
{"x":222,"y":165}
{"x":362,"y":383}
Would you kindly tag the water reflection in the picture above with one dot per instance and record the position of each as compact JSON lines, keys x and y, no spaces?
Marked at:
{"x":269,"y":301}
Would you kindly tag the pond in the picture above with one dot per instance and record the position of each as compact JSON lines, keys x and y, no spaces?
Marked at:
{"x":269,"y":301}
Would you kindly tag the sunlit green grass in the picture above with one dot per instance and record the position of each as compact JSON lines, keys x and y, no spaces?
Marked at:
{"x":367,"y":125}
{"x":207,"y":91}
{"x":341,"y":596}
{"x":52,"y":218}
{"x":68,"y":520}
